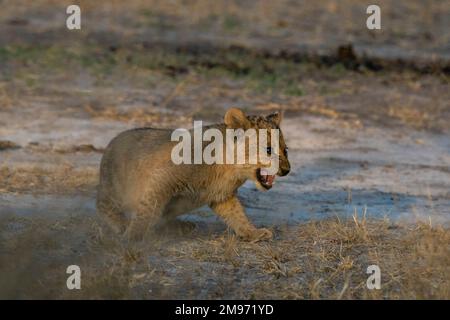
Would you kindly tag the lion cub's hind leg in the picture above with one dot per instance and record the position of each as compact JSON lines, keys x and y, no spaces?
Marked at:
{"x":145,"y":216}
{"x":112,"y":213}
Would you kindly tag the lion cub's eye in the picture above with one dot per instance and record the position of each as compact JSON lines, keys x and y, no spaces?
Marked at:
{"x":269,"y":150}
{"x":286,"y":151}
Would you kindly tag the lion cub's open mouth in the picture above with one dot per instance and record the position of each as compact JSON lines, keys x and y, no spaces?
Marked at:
{"x":265,"y":179}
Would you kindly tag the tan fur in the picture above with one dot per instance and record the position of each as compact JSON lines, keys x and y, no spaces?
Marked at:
{"x":139,"y":183}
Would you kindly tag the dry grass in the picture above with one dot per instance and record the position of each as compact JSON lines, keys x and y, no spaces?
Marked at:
{"x":316,"y":260}
{"x":57,"y":180}
{"x":416,"y":117}
{"x":5,"y":144}
{"x":211,"y":83}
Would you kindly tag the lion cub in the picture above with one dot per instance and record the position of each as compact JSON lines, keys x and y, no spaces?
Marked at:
{"x":140,"y":184}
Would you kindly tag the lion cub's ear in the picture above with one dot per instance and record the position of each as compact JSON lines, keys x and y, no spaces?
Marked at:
{"x":235,"y":118}
{"x":275,"y":118}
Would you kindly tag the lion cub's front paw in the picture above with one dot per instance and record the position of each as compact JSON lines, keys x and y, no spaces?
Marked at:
{"x":263,"y":234}
{"x":260,"y":234}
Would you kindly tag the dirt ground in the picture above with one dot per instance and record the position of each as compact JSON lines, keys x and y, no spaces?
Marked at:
{"x":369,"y":147}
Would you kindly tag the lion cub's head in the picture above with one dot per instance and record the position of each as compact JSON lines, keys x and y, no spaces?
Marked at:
{"x":270,"y":124}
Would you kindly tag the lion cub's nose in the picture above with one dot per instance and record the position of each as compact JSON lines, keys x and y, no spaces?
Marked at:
{"x":284,"y":171}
